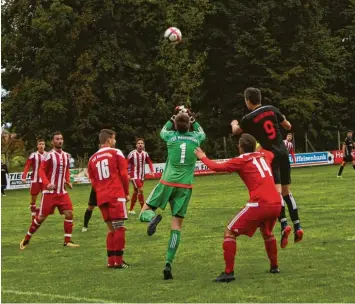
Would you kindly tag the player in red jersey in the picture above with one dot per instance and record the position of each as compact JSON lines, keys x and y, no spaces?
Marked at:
{"x":34,"y":161}
{"x":262,"y":208}
{"x":108,"y":173}
{"x":264,"y":123}
{"x":289,"y":146}
{"x":54,"y":172}
{"x":136,"y":169}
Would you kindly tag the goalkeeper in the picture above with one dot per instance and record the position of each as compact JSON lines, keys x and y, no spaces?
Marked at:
{"x":175,"y":185}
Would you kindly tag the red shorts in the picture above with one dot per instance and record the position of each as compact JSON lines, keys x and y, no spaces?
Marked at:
{"x":114,"y":209}
{"x":253,"y":216}
{"x":137,"y":183}
{"x":36,"y":188}
{"x":50,"y":201}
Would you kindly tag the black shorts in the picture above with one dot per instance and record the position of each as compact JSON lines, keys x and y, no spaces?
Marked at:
{"x":348,"y":158}
{"x":281,"y":170}
{"x":92,"y":198}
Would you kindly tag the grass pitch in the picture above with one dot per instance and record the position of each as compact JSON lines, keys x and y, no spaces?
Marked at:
{"x":319,"y":269}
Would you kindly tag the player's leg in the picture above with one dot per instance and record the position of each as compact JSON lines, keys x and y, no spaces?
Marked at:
{"x":35,"y":189}
{"x":140,"y":193}
{"x":245,"y":222}
{"x":266,"y":229}
{"x":290,"y":200}
{"x":353,"y":162}
{"x":133,"y":198}
{"x":91,"y":206}
{"x":179,"y":201}
{"x":118,"y":214}
{"x":158,"y":198}
{"x":3,"y":187}
{"x":65,"y":207}
{"x":285,"y":228}
{"x":46,"y":208}
{"x":343,"y":164}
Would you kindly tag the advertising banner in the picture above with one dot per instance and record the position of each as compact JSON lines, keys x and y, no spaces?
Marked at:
{"x":338,"y":156}
{"x":312,"y":159}
{"x":79,"y":176}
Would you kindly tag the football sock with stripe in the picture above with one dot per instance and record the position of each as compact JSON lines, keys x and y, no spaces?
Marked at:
{"x":282,"y":217}
{"x":110,"y":248}
{"x":87,"y":217}
{"x":229,"y":252}
{"x":173,"y":245}
{"x":68,"y":229}
{"x":292,"y":209}
{"x":33,"y":228}
{"x":119,"y":244}
{"x":146,"y":215}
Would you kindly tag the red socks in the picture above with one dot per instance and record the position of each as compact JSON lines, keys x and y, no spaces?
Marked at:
{"x":133,"y":200}
{"x":68,"y":229}
{"x":271,"y":250}
{"x":110,"y":248}
{"x":230,"y":250}
{"x":119,"y":236}
{"x":141,"y":199}
{"x":33,"y":228}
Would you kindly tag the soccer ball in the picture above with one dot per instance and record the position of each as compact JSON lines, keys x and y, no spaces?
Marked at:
{"x":181,"y":109}
{"x":173,"y":34}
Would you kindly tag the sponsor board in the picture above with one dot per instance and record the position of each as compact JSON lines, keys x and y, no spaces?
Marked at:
{"x":80,"y":176}
{"x":338,"y":156}
{"x":312,"y":159}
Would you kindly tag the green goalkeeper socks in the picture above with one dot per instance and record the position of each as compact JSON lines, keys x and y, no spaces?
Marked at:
{"x":146,"y":215}
{"x":173,"y":245}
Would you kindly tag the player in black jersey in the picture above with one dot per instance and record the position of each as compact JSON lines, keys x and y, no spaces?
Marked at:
{"x":91,"y":206}
{"x":348,"y":146}
{"x":263,"y":122}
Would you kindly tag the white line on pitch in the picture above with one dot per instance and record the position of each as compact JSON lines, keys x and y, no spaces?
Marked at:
{"x":53,"y":296}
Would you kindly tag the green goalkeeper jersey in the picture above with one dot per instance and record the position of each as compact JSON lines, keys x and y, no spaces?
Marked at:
{"x":180,"y":165}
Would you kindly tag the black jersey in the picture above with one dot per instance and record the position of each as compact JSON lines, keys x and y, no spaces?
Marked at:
{"x":349,"y":144}
{"x":264,"y":124}
{"x":4,"y":171}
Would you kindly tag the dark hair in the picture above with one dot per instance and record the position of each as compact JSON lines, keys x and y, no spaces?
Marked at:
{"x":40,"y":140}
{"x":247,"y":142}
{"x":138,"y":139}
{"x":253,"y":95}
{"x":350,"y":131}
{"x":56,"y":133}
{"x":289,"y":134}
{"x":106,"y":134}
{"x":182,"y":122}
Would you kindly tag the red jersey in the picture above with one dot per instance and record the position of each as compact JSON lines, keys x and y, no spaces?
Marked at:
{"x":136,"y":164}
{"x":34,"y":161}
{"x":254,"y":170}
{"x":108,"y":173}
{"x":54,"y":169}
{"x":289,"y":147}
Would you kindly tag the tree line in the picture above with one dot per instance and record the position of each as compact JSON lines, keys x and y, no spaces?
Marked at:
{"x":82,"y":65}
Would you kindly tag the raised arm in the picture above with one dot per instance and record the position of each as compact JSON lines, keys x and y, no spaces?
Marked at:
{"x":198,"y":131}
{"x":166,"y":131}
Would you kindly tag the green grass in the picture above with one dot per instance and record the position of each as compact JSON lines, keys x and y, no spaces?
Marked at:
{"x":319,"y":269}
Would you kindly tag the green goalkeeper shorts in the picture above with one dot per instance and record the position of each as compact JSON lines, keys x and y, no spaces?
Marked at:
{"x":177,"y":197}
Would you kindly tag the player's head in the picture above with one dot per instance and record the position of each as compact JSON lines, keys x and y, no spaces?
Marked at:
{"x":140,"y":144}
{"x":350,"y":134}
{"x":252,"y":97}
{"x":289,"y":137}
{"x":41,"y":145}
{"x":247,"y":143}
{"x":57,"y":140}
{"x":182,"y":122}
{"x":107,"y":138}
